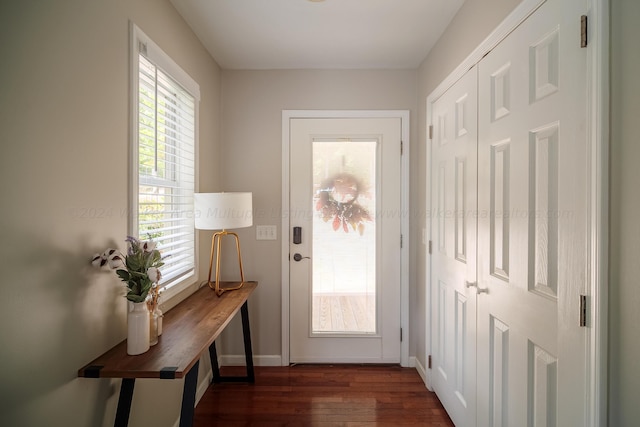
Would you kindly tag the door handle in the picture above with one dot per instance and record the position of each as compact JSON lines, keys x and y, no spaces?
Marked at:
{"x":482,"y":290}
{"x":298,"y":257}
{"x":471,"y":284}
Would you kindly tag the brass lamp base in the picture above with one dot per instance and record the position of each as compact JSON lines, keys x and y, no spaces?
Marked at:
{"x":216,"y":246}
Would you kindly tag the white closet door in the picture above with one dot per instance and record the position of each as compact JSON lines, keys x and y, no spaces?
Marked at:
{"x":532,"y":227}
{"x":454,"y":190}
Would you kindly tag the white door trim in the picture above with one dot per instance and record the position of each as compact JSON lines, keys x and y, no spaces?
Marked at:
{"x":598,"y":239}
{"x":286,"y":228}
{"x":598,"y":134}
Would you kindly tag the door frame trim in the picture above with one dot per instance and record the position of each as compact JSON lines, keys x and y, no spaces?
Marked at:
{"x":598,"y":190}
{"x":403,"y":115}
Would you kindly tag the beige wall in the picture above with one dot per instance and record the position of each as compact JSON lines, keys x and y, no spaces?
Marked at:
{"x":475,"y":20}
{"x":64,"y":126}
{"x":252,"y":151}
{"x":624,"y":286}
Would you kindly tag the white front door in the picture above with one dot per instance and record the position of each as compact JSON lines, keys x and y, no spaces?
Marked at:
{"x":345,"y":259}
{"x":453,"y":272}
{"x":532,"y":229}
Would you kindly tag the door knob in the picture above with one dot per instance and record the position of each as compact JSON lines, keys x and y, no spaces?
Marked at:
{"x":471,"y":284}
{"x":482,"y":290}
{"x":298,"y":257}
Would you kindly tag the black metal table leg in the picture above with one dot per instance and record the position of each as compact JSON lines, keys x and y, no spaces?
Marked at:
{"x":189,"y":396}
{"x":248,"y":353}
{"x":214,"y":363}
{"x":124,"y":402}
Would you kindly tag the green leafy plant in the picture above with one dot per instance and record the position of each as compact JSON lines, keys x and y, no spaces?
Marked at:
{"x":139,"y":269}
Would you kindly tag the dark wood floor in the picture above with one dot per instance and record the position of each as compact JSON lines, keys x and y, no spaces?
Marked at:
{"x":322,"y":395}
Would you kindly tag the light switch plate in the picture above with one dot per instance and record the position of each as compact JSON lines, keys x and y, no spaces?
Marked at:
{"x":266,"y":232}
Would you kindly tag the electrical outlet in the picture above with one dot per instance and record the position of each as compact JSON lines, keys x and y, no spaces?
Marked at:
{"x":266,"y":232}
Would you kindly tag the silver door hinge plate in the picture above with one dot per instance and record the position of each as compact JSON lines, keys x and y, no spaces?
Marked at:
{"x":583,"y":31}
{"x":583,"y":310}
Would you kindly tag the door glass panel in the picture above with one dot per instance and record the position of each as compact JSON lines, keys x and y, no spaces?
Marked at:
{"x":344,"y":237}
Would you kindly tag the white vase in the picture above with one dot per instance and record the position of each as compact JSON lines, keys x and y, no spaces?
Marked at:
{"x":138,"y":329}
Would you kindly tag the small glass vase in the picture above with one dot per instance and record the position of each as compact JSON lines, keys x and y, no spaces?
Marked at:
{"x":160,"y":316}
{"x":153,"y":328}
{"x":138,"y":329}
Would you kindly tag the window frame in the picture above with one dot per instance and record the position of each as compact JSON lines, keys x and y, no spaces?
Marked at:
{"x":154,"y":54}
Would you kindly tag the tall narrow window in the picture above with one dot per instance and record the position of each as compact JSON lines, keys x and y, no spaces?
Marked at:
{"x":164,"y":158}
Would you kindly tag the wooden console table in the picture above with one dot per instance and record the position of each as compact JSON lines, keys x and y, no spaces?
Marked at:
{"x":188,"y":330}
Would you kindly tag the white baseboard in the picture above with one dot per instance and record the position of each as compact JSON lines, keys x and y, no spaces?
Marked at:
{"x":421,"y":371}
{"x":203,"y":386}
{"x":412,"y":362}
{"x":239,"y":360}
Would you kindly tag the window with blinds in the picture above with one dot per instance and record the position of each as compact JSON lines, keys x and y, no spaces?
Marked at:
{"x":166,"y":141}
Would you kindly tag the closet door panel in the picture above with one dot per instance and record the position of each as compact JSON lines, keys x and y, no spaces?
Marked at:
{"x":532,"y":187}
{"x":454,"y":160}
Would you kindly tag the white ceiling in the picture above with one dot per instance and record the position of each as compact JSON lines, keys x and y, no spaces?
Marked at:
{"x":279,"y":34}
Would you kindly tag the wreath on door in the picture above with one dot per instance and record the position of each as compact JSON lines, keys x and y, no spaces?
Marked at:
{"x":337,"y":201}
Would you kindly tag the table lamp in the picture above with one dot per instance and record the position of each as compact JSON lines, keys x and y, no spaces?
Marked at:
{"x":222,"y":211}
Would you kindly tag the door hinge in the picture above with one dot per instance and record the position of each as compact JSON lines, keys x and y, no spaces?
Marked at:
{"x":583,"y":310}
{"x":429,"y":362}
{"x":401,"y":148}
{"x":429,"y":247}
{"x":430,"y":131}
{"x":401,"y":241}
{"x":400,"y":334}
{"x":583,"y":31}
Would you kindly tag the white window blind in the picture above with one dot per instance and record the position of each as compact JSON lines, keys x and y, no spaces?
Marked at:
{"x":166,"y":141}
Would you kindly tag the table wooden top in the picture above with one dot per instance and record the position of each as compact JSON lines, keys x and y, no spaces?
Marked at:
{"x":188,"y":330}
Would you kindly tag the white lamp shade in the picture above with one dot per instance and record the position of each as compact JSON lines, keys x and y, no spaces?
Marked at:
{"x":222,"y":211}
